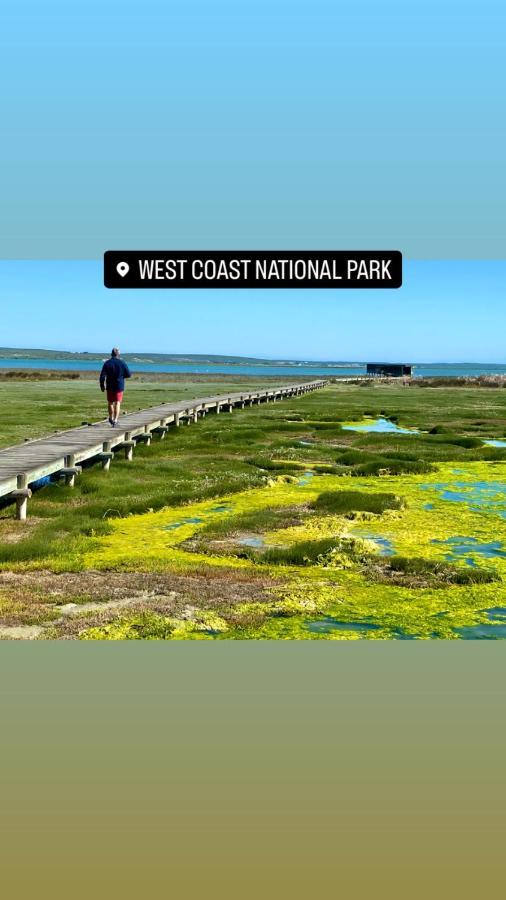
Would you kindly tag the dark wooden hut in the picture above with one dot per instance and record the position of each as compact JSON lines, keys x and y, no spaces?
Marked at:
{"x":390,"y":370}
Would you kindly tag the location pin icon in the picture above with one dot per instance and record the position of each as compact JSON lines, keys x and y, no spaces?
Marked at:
{"x":122,"y":269}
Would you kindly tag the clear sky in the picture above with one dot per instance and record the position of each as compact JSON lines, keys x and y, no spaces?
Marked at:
{"x":446,"y":311}
{"x":255,"y":124}
{"x":260,"y":124}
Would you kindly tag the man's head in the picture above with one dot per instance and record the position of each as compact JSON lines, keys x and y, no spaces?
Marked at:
{"x":115,"y":351}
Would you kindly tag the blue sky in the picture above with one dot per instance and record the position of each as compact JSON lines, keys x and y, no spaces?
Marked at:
{"x":259,"y":124}
{"x":446,"y":311}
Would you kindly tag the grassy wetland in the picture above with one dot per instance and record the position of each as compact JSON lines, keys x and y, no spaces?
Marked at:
{"x":362,"y":511}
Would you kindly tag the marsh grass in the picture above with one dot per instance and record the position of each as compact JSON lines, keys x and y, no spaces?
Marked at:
{"x":256,"y":521}
{"x":418,"y":572}
{"x":305,"y":553}
{"x":413,"y":571}
{"x":344,"y":502}
{"x":391,"y":465}
{"x":226,"y":454}
{"x":455,"y":440}
{"x":276,"y":465}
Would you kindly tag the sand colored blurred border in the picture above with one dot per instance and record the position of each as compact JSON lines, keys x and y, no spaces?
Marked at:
{"x":252,"y":769}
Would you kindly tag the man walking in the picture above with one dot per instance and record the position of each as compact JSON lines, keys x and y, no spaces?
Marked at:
{"x":112,"y":378}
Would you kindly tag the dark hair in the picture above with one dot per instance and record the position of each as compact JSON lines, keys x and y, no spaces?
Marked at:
{"x":115,"y":351}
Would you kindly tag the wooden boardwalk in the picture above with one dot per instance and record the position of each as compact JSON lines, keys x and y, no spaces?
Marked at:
{"x":63,"y":451}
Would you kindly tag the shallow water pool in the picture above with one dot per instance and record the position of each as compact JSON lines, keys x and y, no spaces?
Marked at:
{"x":381,"y":425}
{"x":384,"y":546}
{"x":252,"y":540}
{"x":195,"y":520}
{"x":493,"y":630}
{"x":489,"y":496}
{"x":483,"y":632}
{"x":329,"y":624}
{"x":468,"y":546}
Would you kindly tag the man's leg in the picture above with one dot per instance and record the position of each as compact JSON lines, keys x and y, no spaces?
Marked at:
{"x":110,"y":407}
{"x":117,"y":407}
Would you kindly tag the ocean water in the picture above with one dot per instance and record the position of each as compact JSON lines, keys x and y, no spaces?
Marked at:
{"x":315,"y":370}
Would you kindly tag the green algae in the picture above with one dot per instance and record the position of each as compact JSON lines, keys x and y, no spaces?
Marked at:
{"x":155,"y":627}
{"x":339,"y":592}
{"x":235,"y":470}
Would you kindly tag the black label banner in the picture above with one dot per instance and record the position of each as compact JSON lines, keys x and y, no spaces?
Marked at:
{"x":252,"y":269}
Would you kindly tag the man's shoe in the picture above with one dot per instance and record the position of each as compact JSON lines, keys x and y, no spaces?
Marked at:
{"x":111,"y":421}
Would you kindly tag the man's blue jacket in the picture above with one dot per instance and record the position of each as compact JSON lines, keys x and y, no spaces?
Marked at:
{"x":113,"y":374}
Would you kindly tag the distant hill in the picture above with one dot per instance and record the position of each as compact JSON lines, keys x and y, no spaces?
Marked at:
{"x":209,"y":359}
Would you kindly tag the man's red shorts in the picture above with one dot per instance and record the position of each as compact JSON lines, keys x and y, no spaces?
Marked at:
{"x":114,"y":396}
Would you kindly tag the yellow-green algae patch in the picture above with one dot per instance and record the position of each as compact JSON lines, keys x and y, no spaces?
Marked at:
{"x":153,"y":539}
{"x":150,"y":626}
{"x":354,"y":606}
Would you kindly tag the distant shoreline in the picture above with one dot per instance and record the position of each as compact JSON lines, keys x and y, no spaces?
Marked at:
{"x":74,"y":370}
{"x":22,"y":354}
{"x":19,"y":353}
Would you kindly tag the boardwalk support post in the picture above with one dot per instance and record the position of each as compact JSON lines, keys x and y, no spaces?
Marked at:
{"x":22,"y":495}
{"x":106,"y":455}
{"x":129,"y":445}
{"x":176,"y":419}
{"x":145,"y":436}
{"x":70,"y":470}
{"x":161,"y":429}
